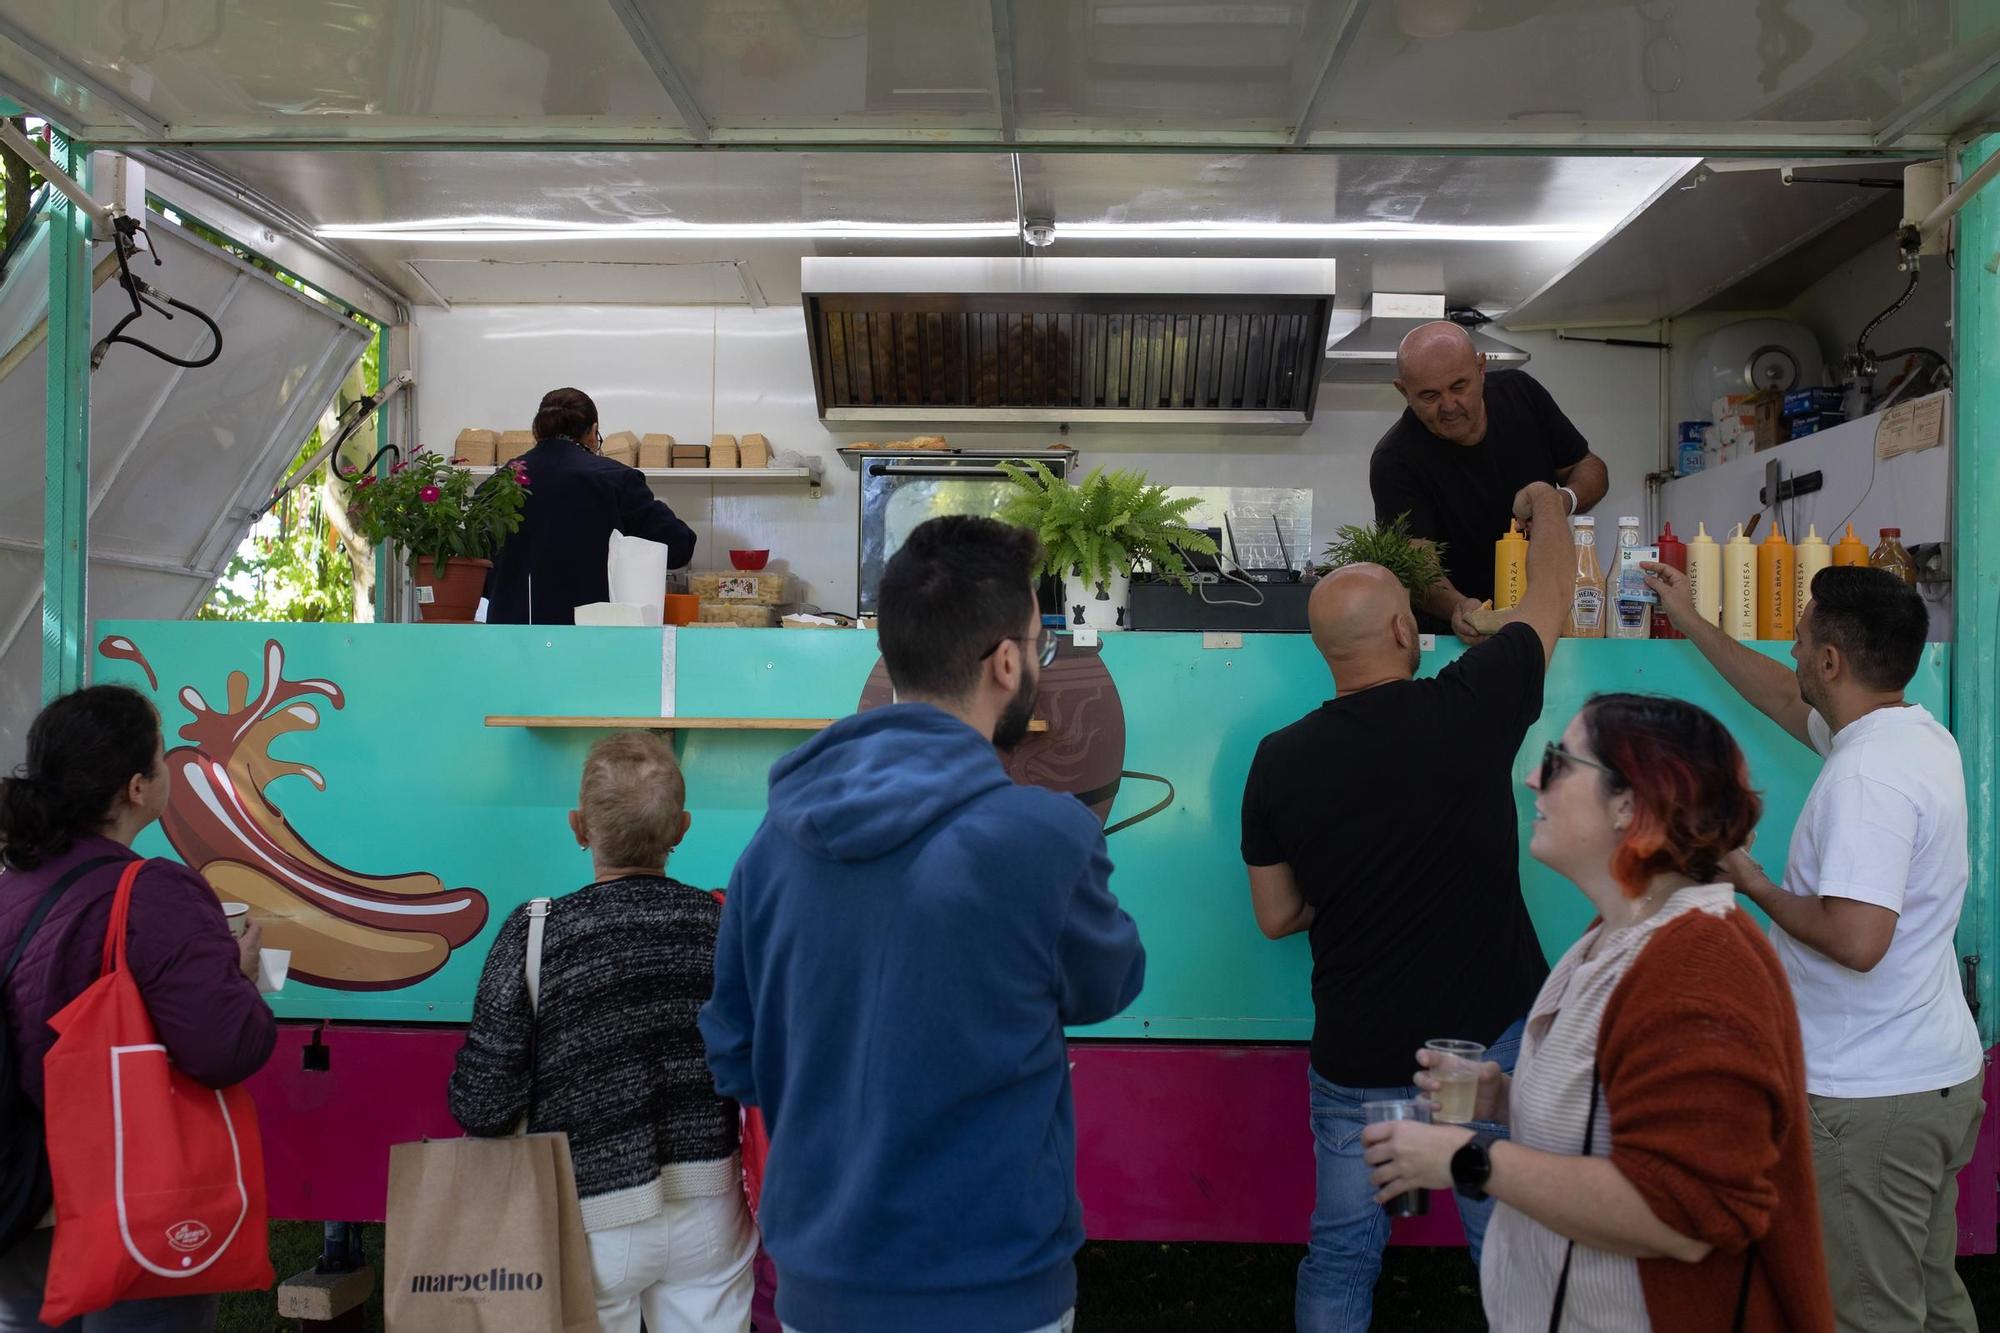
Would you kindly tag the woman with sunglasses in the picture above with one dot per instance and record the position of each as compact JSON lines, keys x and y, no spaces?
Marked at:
{"x":1660,"y":1171}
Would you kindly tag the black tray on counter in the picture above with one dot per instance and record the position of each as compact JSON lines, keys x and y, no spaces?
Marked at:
{"x":1219,"y":606}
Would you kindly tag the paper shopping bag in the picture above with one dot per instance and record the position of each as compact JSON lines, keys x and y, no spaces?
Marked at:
{"x":485,"y":1236}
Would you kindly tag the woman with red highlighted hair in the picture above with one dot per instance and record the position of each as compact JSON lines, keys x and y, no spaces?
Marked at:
{"x":1660,"y":1171}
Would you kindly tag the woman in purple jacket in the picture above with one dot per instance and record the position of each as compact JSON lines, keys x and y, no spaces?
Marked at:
{"x":95,"y":778}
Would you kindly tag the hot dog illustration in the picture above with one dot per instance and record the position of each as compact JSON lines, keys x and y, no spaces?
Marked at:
{"x":346,"y":930}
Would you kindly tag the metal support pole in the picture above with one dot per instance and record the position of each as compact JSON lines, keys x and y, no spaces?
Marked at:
{"x":1976,"y":651}
{"x":66,"y":462}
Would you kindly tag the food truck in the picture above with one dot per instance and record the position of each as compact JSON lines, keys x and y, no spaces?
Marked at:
{"x":902,"y":244}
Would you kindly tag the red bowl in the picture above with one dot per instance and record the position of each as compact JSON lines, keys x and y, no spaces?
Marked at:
{"x":749,"y":559}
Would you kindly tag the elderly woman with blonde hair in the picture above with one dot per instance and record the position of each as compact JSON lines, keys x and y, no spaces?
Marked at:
{"x":612,"y":1057}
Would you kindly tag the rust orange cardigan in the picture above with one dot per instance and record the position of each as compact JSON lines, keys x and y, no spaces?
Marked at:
{"x":1705,"y":1080}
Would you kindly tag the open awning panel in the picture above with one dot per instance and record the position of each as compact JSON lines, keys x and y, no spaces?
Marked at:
{"x":178,"y":458}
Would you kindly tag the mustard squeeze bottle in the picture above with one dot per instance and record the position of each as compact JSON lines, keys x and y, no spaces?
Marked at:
{"x":1777,"y":585}
{"x":1849,"y":550}
{"x":1510,"y":568}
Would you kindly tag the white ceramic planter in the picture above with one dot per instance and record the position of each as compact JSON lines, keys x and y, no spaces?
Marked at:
{"x":1100,"y":604}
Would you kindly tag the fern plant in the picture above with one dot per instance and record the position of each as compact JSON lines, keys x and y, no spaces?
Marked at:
{"x":1100,"y":527}
{"x":1417,"y":564}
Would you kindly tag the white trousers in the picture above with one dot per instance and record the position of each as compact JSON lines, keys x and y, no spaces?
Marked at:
{"x":687,"y":1270}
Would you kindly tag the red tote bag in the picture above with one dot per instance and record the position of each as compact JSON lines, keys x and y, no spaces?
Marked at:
{"x":159,"y":1181}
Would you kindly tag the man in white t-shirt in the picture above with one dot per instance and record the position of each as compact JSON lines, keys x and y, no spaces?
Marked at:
{"x":1864,"y":924}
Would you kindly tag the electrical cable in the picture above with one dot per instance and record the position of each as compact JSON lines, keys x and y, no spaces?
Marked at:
{"x":1909,"y":289}
{"x":125,"y":237}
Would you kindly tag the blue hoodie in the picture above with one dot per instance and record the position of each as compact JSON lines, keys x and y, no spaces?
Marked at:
{"x":905,"y":938}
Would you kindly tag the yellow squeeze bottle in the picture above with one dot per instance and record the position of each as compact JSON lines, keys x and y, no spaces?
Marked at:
{"x":1777,"y":585}
{"x":1814,"y":555}
{"x":1510,"y":568}
{"x":1705,"y":575}
{"x":1849,"y":550}
{"x":1739,"y":586}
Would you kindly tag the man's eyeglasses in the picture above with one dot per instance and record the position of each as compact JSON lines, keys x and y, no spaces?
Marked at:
{"x":1045,"y":645}
{"x":1556,"y":760}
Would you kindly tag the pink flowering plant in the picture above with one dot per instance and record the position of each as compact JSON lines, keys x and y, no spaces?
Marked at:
{"x":433,"y":509}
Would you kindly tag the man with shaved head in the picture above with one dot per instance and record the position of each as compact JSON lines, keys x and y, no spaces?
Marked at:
{"x":1457,"y":462}
{"x":1383,"y":823}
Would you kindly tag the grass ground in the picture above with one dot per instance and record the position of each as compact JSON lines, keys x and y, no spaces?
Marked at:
{"x":1150,"y":1288}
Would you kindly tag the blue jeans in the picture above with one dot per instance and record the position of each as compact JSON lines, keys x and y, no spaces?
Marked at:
{"x":1336,"y":1287}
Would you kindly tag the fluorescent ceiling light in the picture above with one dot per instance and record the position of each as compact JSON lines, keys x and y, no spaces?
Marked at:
{"x":489,"y":230}
{"x":493,"y":231}
{"x":1328,"y":231}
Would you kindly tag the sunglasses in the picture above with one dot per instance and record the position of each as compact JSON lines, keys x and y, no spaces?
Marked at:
{"x":1556,"y":761}
{"x":1045,"y":645}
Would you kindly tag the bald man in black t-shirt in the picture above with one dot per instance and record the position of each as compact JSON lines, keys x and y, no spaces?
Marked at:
{"x":1461,"y":455}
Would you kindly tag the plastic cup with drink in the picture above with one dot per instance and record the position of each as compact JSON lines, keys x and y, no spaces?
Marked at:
{"x":1412,"y":1203}
{"x":1455,"y":1065}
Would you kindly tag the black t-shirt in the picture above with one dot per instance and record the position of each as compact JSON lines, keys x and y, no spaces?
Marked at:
{"x":1463,"y":495}
{"x":1394,"y":807}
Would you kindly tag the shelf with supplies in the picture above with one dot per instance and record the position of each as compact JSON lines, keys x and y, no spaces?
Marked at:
{"x":809,"y":475}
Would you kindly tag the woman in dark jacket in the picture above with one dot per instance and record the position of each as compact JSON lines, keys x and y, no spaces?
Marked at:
{"x":556,"y":561}
{"x":95,"y":778}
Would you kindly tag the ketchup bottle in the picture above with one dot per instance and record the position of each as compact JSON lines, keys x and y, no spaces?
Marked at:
{"x":1673,"y":553}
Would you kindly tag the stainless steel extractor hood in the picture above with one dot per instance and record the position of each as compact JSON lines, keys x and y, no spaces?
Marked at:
{"x":1217,"y":342}
{"x":1368,"y":353}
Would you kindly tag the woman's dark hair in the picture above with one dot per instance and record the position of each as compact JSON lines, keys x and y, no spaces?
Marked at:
{"x":957,"y":587}
{"x":565,"y":414}
{"x":1691,"y":794}
{"x":82,"y":750}
{"x":1878,"y":622}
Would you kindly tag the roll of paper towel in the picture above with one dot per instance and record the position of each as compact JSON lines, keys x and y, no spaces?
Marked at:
{"x":638,"y":571}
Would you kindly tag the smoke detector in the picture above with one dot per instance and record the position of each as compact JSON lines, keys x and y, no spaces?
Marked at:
{"x":1039,"y":232}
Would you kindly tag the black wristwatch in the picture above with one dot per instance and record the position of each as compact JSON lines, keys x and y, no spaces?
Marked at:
{"x":1472,"y":1166}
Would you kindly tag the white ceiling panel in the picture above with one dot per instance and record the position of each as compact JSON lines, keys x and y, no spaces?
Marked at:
{"x":1394,"y":222}
{"x":466,"y":280}
{"x":1660,"y":74}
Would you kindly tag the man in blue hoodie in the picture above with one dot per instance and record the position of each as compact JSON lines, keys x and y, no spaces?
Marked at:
{"x":905,"y":939}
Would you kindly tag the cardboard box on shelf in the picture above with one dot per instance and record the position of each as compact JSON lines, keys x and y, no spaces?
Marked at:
{"x":750,"y":615}
{"x":623,"y":446}
{"x":755,"y":451}
{"x":656,"y":451}
{"x":690,"y":455}
{"x":762,"y":588}
{"x":1770,"y":421}
{"x":476,"y":448}
{"x":512,"y":444}
{"x":724,"y":453}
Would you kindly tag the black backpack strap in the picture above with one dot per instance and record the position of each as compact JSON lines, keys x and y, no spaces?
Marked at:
{"x":42,"y":908}
{"x":1569,"y":1251}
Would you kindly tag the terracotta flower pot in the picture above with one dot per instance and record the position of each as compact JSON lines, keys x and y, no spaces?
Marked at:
{"x":452,"y":598}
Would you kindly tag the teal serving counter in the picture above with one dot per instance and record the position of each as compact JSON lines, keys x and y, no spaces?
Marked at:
{"x":346,"y":781}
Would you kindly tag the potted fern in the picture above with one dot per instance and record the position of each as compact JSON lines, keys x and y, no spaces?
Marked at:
{"x":1093,"y":534}
{"x":1416,"y":564}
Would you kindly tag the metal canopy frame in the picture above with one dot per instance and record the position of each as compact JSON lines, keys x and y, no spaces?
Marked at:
{"x":672,"y":81}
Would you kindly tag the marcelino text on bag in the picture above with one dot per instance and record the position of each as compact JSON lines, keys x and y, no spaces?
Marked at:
{"x":492,"y":1280}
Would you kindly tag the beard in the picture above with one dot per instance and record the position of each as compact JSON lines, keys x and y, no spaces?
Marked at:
{"x":1012,"y":728}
